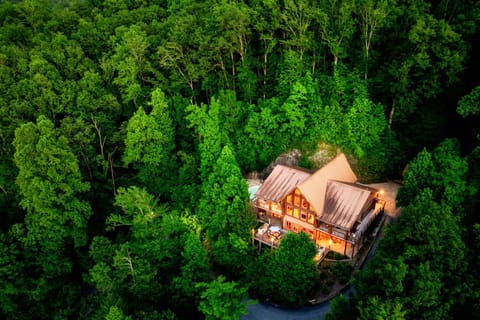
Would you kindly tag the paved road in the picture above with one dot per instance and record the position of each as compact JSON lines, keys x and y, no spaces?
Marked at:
{"x":264,"y":311}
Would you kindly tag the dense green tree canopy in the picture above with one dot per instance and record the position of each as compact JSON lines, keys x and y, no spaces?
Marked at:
{"x":49,"y":181}
{"x":288,"y":274}
{"x":127,"y":128}
{"x":224,"y":212}
{"x":223,"y":300}
{"x":419,"y":268}
{"x":149,"y":144}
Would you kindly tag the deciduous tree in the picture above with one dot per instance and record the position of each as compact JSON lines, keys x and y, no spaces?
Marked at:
{"x":50,"y":184}
{"x":149,"y":145}
{"x":223,"y":300}
{"x":289,"y":272}
{"x":337,"y":26}
{"x":51,"y":187}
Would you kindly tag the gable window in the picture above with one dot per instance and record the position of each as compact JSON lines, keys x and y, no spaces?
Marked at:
{"x":289,"y":210}
{"x":304,"y":204}
{"x":297,"y":199}
{"x":304,"y":215}
{"x":311,"y":218}
{"x":290,"y":198}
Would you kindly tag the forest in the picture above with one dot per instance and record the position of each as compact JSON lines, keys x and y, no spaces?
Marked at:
{"x":127,"y":128}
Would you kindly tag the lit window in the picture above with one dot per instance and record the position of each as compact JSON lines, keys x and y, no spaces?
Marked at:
{"x":289,"y":198}
{"x":304,"y":203}
{"x":276,"y":207}
{"x":311,"y":218}
{"x":289,"y":210}
{"x":297,"y":200}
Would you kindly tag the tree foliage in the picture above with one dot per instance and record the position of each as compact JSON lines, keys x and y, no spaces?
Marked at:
{"x":420,"y":260}
{"x":49,"y":182}
{"x":222,"y":300}
{"x":224,"y":212}
{"x":470,"y":104}
{"x":149,"y":144}
{"x":288,"y":274}
{"x":143,"y":268}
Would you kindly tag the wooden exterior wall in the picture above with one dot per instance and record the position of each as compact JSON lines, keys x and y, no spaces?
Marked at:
{"x":297,"y":215}
{"x":334,"y":243}
{"x":298,"y":207}
{"x":271,"y":209}
{"x":295,"y":225}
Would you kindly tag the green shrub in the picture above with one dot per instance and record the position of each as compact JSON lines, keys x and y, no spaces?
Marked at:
{"x":342,"y":271}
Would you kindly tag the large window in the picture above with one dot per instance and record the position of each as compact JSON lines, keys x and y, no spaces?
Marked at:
{"x":297,"y":206}
{"x":289,"y":210}
{"x":290,"y":198}
{"x":297,"y":199}
{"x":303,"y":215}
{"x":304,"y":204}
{"x":311,"y":218}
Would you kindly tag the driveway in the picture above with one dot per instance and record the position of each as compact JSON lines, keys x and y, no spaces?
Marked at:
{"x":264,"y":311}
{"x":390,"y":190}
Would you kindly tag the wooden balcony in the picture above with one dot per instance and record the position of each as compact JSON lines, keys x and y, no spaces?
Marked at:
{"x":269,"y":235}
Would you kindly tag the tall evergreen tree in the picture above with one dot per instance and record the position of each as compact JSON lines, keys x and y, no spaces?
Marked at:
{"x":225,"y":214}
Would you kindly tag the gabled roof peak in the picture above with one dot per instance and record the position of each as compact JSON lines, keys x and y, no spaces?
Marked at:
{"x":281,"y":181}
{"x":315,"y":187}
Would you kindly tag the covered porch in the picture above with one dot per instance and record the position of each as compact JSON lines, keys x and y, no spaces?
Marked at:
{"x":335,"y":244}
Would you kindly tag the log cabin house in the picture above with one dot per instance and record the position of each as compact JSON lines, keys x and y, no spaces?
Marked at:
{"x":328,"y":204}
